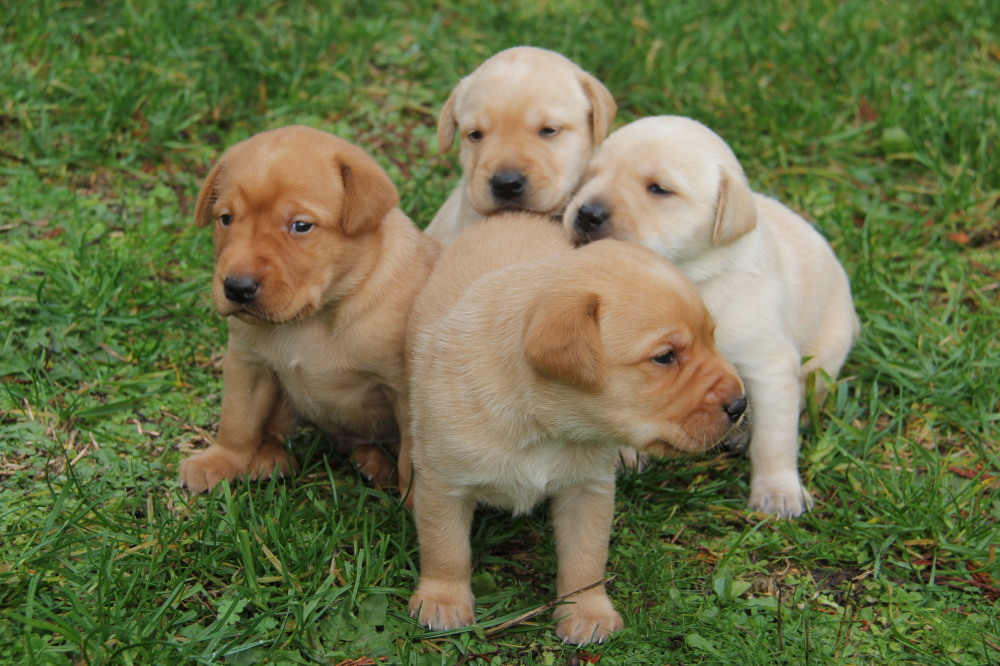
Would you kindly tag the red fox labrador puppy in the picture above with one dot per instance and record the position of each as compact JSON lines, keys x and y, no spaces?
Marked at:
{"x":316,"y":269}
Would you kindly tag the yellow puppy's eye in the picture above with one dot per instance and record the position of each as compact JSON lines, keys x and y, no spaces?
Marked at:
{"x":474,"y":136}
{"x":666,"y":358}
{"x":659,"y":190}
{"x":225,"y":219}
{"x":548,"y":131}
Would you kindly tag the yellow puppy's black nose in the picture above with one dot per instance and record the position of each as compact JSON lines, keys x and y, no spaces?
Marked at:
{"x":240,"y":289}
{"x":735,"y":409}
{"x":507,"y":185}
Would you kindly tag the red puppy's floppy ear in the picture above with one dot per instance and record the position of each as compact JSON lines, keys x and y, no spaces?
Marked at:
{"x":602,"y":106}
{"x":369,"y":195}
{"x":447,"y":123}
{"x":735,"y":212}
{"x":562,"y":338}
{"x":206,"y":197}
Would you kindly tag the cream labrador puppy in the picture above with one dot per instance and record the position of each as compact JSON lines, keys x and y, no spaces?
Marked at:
{"x":781,"y":299}
{"x":528,"y":120}
{"x":531,"y":364}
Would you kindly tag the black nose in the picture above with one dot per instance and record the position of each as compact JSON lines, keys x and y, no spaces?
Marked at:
{"x":735,"y":409}
{"x":590,"y":217}
{"x":240,"y":289}
{"x":507,"y":185}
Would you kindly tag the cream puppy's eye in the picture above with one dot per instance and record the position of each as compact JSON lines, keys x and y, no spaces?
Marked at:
{"x":225,"y":219}
{"x":666,"y":358}
{"x":474,"y":136}
{"x":301,"y":227}
{"x":659,"y":190}
{"x":548,"y":131}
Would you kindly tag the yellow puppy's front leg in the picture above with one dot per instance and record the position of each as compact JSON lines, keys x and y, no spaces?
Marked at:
{"x":254,"y":422}
{"x":582,"y":520}
{"x":443,"y":599}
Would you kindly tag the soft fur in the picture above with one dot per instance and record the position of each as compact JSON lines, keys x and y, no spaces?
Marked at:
{"x":315,"y":270}
{"x":528,"y":120}
{"x":532,"y":363}
{"x":781,"y":300}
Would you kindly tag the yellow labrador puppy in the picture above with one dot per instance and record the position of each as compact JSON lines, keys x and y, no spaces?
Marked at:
{"x":528,"y":120}
{"x":781,"y":299}
{"x":531,"y":364}
{"x":316,"y":269}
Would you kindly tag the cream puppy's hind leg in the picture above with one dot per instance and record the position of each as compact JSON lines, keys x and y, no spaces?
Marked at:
{"x":582,"y":520}
{"x":775,"y":485}
{"x":443,"y":599}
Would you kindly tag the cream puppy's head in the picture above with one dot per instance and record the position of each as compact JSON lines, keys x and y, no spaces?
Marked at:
{"x":630,"y":346}
{"x":667,"y":182}
{"x":290,"y":208}
{"x":527,"y":120}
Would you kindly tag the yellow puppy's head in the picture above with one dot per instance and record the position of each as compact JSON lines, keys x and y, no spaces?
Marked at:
{"x":627,"y":329}
{"x":290,"y":208}
{"x":528,"y":121}
{"x":667,"y":182}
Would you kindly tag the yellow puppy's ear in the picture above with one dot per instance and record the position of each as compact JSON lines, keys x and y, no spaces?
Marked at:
{"x":447,"y":123}
{"x":602,"y":106}
{"x":369,"y":195}
{"x":563,"y":340}
{"x":207,"y":196}
{"x":735,"y":212}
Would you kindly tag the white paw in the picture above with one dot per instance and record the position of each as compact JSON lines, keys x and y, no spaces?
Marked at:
{"x":783,"y":496}
{"x":442,"y":607}
{"x":587,"y":622}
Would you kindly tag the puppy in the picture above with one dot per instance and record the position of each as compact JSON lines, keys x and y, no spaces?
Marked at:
{"x":781,"y":300}
{"x":315,"y":270}
{"x":532,"y":363}
{"x":528,"y":120}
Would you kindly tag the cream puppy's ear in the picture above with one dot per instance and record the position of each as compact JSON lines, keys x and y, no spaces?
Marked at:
{"x":602,"y":106}
{"x":207,"y":196}
{"x":447,"y":123}
{"x":735,"y":213}
{"x":369,"y":195}
{"x":563,"y":340}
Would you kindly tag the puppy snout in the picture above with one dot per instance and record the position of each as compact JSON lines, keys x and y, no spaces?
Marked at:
{"x":734,"y":410}
{"x":240,"y":288}
{"x":507,"y":185}
{"x":590,"y":217}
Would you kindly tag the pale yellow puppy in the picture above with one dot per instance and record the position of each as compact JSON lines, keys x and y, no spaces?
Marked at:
{"x":527,"y":122}
{"x":316,"y":269}
{"x":531,"y":364}
{"x":780,"y":298}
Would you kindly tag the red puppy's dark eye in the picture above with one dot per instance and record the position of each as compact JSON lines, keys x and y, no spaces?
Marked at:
{"x":225,"y":219}
{"x":667,"y":358}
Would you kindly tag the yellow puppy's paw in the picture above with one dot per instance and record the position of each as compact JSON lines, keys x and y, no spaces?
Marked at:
{"x":783,"y":496}
{"x":587,"y":622}
{"x":442,"y":606}
{"x":375,"y":465}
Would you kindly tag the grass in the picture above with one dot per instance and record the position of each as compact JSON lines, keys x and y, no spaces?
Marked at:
{"x":876,"y":119}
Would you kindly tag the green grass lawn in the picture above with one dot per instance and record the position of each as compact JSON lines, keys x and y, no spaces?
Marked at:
{"x":879,"y":120}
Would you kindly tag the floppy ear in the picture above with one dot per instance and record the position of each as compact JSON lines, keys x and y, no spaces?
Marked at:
{"x":207,"y":196}
{"x":735,"y":213}
{"x":447,"y":123}
{"x":562,"y":338}
{"x":602,"y":105}
{"x":369,"y":195}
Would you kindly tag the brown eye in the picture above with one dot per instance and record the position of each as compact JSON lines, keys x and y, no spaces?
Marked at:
{"x":302,"y":227}
{"x":666,"y":358}
{"x":474,"y":136}
{"x":658,"y":190}
{"x":548,"y":131}
{"x":225,"y":219}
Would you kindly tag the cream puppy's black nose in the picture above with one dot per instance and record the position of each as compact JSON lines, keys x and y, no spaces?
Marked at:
{"x":590,"y":217}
